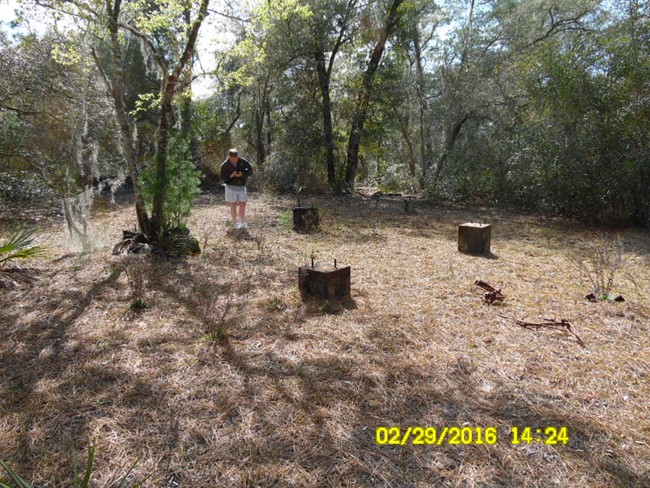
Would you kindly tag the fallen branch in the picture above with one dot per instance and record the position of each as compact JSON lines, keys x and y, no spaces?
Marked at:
{"x":492,"y":294}
{"x":549,"y":323}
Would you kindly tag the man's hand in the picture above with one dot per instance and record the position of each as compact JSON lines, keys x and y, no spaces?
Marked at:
{"x":235,"y":174}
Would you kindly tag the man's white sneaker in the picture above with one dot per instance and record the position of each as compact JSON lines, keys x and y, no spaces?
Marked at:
{"x":239,"y":225}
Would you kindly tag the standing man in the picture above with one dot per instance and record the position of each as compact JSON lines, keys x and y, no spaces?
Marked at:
{"x":234,"y":172}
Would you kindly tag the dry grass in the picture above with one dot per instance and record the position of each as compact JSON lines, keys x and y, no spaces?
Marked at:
{"x":290,"y":394}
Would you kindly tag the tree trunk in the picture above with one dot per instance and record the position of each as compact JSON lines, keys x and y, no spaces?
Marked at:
{"x":363,"y":100}
{"x":168,"y":89}
{"x":117,"y":90}
{"x":261,"y":113}
{"x":324,"y":68}
{"x":269,"y":132}
{"x":424,"y":129}
{"x":452,"y":136}
{"x":324,"y":83}
{"x":186,"y":103}
{"x":260,"y":145}
{"x":409,"y":144}
{"x":127,"y":147}
{"x":186,"y":119}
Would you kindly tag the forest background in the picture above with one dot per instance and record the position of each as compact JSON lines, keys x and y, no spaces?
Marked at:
{"x":535,"y":104}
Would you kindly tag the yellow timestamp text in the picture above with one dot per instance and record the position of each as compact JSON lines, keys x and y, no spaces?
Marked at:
{"x":433,"y":436}
{"x":539,"y":435}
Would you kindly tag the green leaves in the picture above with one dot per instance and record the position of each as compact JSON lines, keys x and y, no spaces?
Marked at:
{"x":83,"y":483}
{"x":281,"y":10}
{"x":145,"y":102}
{"x":79,"y":482}
{"x":274,"y":26}
{"x":18,"y":481}
{"x":163,"y":15}
{"x":183,"y":181}
{"x":66,"y":54}
{"x":19,"y":246}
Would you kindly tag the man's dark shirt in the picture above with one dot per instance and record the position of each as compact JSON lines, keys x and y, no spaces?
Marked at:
{"x":227,"y":168}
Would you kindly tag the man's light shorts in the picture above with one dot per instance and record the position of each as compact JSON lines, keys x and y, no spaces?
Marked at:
{"x":236,"y":194}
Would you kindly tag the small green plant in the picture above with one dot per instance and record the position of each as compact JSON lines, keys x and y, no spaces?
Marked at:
{"x":340,"y":228}
{"x":19,"y":482}
{"x":275,"y":304}
{"x":80,"y":481}
{"x":214,"y":312}
{"x":183,"y":180}
{"x":19,"y":246}
{"x":217,"y":303}
{"x":138,"y":305}
{"x":217,"y":333}
{"x":217,"y":317}
{"x":286,"y":220}
{"x":83,"y":482}
{"x":175,"y":240}
{"x":206,"y":237}
{"x":263,"y":249}
{"x":313,"y":254}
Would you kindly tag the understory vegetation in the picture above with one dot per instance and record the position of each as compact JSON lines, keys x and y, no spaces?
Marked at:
{"x":535,"y":105}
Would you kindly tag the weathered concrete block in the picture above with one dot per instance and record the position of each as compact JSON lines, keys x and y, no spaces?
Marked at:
{"x":324,"y":280}
{"x":305,"y":219}
{"x":474,"y":238}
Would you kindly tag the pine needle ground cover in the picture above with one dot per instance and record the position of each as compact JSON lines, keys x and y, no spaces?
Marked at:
{"x":227,"y":378}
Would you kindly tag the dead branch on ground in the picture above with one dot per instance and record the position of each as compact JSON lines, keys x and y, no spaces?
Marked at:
{"x":492,"y":294}
{"x":548,"y":323}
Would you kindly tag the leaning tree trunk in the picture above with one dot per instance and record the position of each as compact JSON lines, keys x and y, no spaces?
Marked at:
{"x":127,"y":143}
{"x":363,"y":100}
{"x":450,"y":142}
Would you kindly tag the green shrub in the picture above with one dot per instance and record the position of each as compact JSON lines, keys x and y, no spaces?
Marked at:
{"x":183,"y":179}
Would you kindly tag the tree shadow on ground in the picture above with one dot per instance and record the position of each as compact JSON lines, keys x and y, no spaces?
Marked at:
{"x":64,"y":389}
{"x":40,"y":354}
{"x":392,"y":393}
{"x":337,"y":400}
{"x":258,"y":409}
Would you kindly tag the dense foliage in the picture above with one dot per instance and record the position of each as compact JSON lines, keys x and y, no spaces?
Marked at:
{"x":536,"y":104}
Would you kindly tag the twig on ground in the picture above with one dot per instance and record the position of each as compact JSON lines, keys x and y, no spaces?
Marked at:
{"x":549,"y":323}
